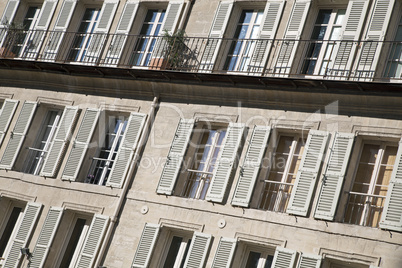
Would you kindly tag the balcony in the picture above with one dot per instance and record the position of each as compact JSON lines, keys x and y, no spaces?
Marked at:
{"x":323,"y":59}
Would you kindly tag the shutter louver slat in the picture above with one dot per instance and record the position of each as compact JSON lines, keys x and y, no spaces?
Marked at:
{"x":284,"y":258}
{"x":309,"y":261}
{"x":224,"y":253}
{"x":146,"y":246}
{"x":198,"y":250}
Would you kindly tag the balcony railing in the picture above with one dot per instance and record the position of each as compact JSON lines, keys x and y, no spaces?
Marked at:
{"x":323,"y":59}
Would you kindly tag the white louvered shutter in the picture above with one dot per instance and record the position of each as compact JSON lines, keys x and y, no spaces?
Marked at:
{"x":80,"y":145}
{"x":224,"y":163}
{"x":251,"y":166}
{"x":23,"y":234}
{"x":126,"y":150}
{"x":287,"y":51}
{"x":93,"y":240}
{"x":284,"y":258}
{"x":7,"y":18}
{"x":63,"y":21}
{"x":174,"y":159}
{"x":307,"y":174}
{"x":224,"y":253}
{"x":391,"y":217}
{"x":309,"y":261}
{"x":215,"y":36}
{"x":146,"y":246}
{"x":270,"y":21}
{"x":56,"y":151}
{"x":6,"y":114}
{"x":119,"y":40}
{"x":18,"y":135}
{"x":46,"y":236}
{"x":197,"y":253}
{"x":334,"y":175}
{"x":377,"y":28}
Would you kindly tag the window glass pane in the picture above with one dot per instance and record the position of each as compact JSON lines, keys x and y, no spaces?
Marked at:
{"x":173,"y":251}
{"x":323,"y":16}
{"x":340,"y":16}
{"x":253,"y":258}
{"x":268,"y":262}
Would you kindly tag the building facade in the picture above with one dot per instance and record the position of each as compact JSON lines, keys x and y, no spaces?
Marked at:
{"x":201,"y":133}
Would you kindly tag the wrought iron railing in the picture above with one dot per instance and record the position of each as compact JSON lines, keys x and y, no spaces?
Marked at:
{"x":275,"y":196}
{"x":324,"y":59}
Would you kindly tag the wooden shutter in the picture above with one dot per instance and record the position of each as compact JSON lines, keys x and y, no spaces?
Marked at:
{"x":309,"y":261}
{"x":125,"y":153}
{"x":146,"y":245}
{"x":215,"y":35}
{"x":287,"y":51}
{"x":224,"y":164}
{"x":224,"y":253}
{"x":270,"y":21}
{"x":175,"y":157}
{"x":18,"y":135}
{"x":391,"y":217}
{"x":29,"y":218}
{"x":284,"y":258}
{"x":197,"y":253}
{"x":93,"y":240}
{"x":57,"y":149}
{"x":6,"y":114}
{"x":377,"y":29}
{"x":251,"y":166}
{"x":7,"y":18}
{"x":308,"y":173}
{"x":80,"y":145}
{"x":334,"y":175}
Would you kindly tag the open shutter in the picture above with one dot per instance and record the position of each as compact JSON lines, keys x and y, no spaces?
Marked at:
{"x":7,"y":18}
{"x":80,"y":144}
{"x":391,"y":217}
{"x":57,"y":149}
{"x":175,"y":157}
{"x":119,"y":40}
{"x":224,"y":164}
{"x":146,"y":245}
{"x":287,"y":51}
{"x":370,"y":52}
{"x":251,"y":166}
{"x":125,"y":154}
{"x":56,"y":37}
{"x":197,"y":253}
{"x":215,"y":36}
{"x":284,"y":258}
{"x":46,"y":236}
{"x":224,"y":253}
{"x":92,"y":241}
{"x":272,"y":15}
{"x":23,"y":234}
{"x":309,"y":261}
{"x":18,"y":135}
{"x":308,"y":173}
{"x":6,"y":114}
{"x":334,"y":176}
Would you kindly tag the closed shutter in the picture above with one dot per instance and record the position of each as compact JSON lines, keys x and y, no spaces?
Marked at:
{"x":287,"y":51}
{"x":23,"y":234}
{"x":197,"y":253}
{"x":251,"y":166}
{"x":377,"y":28}
{"x":80,"y":145}
{"x":391,"y":217}
{"x":224,"y":164}
{"x":125,"y":153}
{"x":284,"y":258}
{"x":6,"y":114}
{"x":46,"y":236}
{"x":175,"y":157}
{"x":309,"y":261}
{"x":146,"y":245}
{"x":215,"y":36}
{"x":92,"y":241}
{"x":7,"y":18}
{"x":57,"y":149}
{"x":334,"y":176}
{"x":308,"y":173}
{"x":18,"y":135}
{"x":272,"y":15}
{"x":224,"y":253}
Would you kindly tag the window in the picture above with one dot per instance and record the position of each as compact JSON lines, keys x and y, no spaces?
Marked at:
{"x":9,"y":229}
{"x":256,"y":259}
{"x":394,"y":66}
{"x":177,"y":252}
{"x":370,"y":186}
